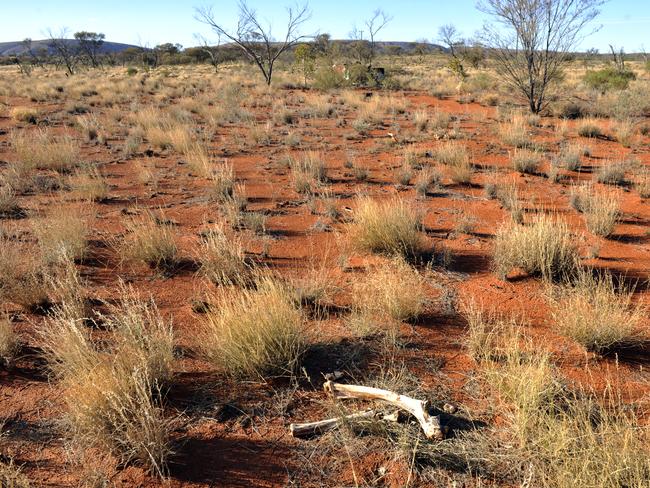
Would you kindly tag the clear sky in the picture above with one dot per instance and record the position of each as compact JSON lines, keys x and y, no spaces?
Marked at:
{"x":149,"y":22}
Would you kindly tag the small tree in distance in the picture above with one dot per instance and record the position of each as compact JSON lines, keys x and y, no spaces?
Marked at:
{"x":532,"y":40}
{"x":256,"y":40}
{"x":90,"y":44}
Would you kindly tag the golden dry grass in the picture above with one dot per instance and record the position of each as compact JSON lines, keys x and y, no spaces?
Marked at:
{"x":544,"y":247}
{"x":388,"y":227}
{"x":255,"y":332}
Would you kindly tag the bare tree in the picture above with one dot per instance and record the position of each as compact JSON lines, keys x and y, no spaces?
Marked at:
{"x":618,"y":57}
{"x":451,"y":38}
{"x":532,"y":39}
{"x":255,"y":39}
{"x":65,"y":51}
{"x":374,"y":25}
{"x":211,"y":50}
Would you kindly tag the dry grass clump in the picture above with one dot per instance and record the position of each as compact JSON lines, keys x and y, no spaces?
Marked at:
{"x":394,"y":289}
{"x":8,"y":201}
{"x":508,"y":196}
{"x":62,"y":234}
{"x":25,"y":114}
{"x":11,"y":476}
{"x":456,"y":158}
{"x":223,"y":259}
{"x":113,"y":394}
{"x":222,"y":182}
{"x":9,"y":344}
{"x":567,"y":438}
{"x":42,"y":150}
{"x":90,"y":185}
{"x":589,"y":128}
{"x":555,"y":437}
{"x":22,"y":276}
{"x":150,"y":241}
{"x":515,"y":132}
{"x":571,"y":156}
{"x":611,"y":173}
{"x":486,"y":331}
{"x":308,"y":172}
{"x":452,"y":154}
{"x":255,"y":332}
{"x":601,"y":210}
{"x":544,"y":248}
{"x":141,"y":333}
{"x":642,"y":184}
{"x":596,"y":313}
{"x":427,"y":179}
{"x":421,"y":120}
{"x":526,"y":161}
{"x":390,"y":227}
{"x":625,"y":132}
{"x":315,"y":288}
{"x":198,"y":159}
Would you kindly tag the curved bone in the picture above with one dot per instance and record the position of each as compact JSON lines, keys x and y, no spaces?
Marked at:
{"x":418,"y":408}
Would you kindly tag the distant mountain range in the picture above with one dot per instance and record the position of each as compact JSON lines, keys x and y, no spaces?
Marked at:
{"x":17,"y":47}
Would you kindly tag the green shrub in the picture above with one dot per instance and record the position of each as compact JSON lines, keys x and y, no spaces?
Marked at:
{"x":609,"y":79}
{"x":326,"y":78}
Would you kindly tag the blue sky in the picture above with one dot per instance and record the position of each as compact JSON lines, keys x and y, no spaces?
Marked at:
{"x":149,"y":22}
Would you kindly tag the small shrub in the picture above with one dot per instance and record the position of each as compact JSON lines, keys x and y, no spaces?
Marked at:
{"x":601,"y":316}
{"x":609,"y":79}
{"x":543,"y":248}
{"x":255,"y":332}
{"x":390,"y":227}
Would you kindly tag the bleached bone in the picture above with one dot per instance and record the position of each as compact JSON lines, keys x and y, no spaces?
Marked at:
{"x":322,"y":426}
{"x":418,"y":408}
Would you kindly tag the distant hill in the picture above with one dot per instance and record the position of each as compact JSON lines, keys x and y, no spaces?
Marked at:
{"x":16,"y":48}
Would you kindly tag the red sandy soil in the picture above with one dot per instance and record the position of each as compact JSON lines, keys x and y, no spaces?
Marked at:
{"x":220,"y":446}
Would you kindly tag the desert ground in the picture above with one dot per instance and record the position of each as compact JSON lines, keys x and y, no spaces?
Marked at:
{"x":187,"y":257}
